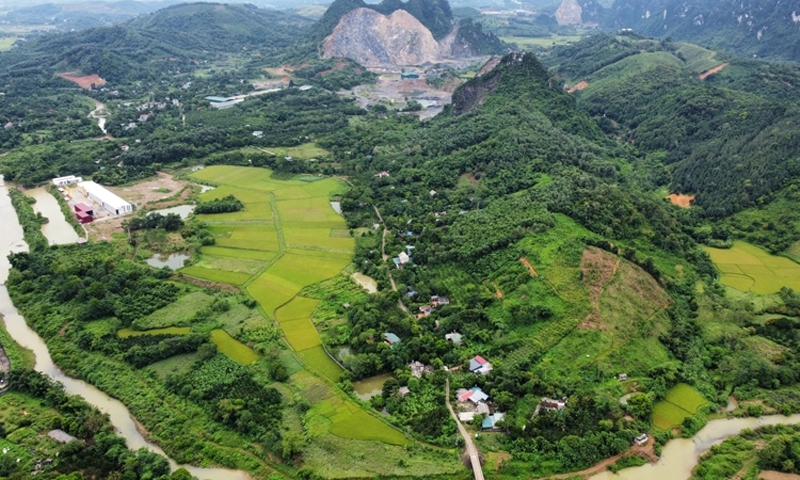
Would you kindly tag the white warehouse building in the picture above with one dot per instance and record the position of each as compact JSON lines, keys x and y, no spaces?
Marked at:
{"x":67,"y":181}
{"x":104,"y":198}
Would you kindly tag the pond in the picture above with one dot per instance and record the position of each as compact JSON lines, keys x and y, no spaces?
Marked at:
{"x":120,"y":417}
{"x":57,"y":230}
{"x":182,"y":210}
{"x":680,"y":456}
{"x":173,"y":261}
{"x":366,"y":282}
{"x":369,"y":387}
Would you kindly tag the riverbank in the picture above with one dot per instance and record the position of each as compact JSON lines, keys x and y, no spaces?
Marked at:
{"x":24,"y":336}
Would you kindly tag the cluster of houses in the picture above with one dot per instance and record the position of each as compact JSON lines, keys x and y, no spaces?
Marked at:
{"x":473,"y":402}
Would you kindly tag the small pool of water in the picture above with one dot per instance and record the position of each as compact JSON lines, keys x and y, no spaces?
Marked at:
{"x":173,"y":261}
{"x":366,"y":282}
{"x":182,"y":210}
{"x":369,"y":387}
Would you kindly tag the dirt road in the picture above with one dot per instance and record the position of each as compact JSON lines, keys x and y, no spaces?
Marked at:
{"x":472,"y":450}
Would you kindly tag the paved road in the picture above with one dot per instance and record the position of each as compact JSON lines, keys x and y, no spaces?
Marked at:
{"x":472,"y":450}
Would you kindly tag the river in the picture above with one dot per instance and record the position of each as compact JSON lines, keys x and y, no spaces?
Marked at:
{"x":57,"y":230}
{"x":12,"y":241}
{"x":680,"y":456}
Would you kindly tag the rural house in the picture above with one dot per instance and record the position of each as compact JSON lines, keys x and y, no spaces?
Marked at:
{"x":490,"y":422}
{"x":622,"y":377}
{"x":480,"y":365}
{"x":641,"y":439}
{"x":391,"y":339}
{"x":382,"y":174}
{"x":454,"y":338}
{"x":419,"y":368}
{"x":425,"y":310}
{"x":552,"y":404}
{"x":437,"y":301}
{"x":478,"y":395}
{"x":403,"y":391}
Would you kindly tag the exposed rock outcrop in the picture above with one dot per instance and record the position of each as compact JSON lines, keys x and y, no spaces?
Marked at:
{"x":569,"y":13}
{"x":371,"y":39}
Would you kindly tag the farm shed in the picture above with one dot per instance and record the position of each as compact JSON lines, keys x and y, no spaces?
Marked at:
{"x":105,"y":198}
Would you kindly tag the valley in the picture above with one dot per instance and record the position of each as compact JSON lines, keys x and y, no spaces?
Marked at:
{"x":398,"y":240}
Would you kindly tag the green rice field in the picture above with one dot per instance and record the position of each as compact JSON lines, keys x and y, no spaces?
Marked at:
{"x":348,"y":420}
{"x":748,"y":268}
{"x":291,"y":244}
{"x":682,"y":401}
{"x":526,"y":42}
{"x":232,"y":348}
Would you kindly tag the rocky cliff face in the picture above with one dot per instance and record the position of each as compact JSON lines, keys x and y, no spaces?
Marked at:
{"x":372,"y":39}
{"x":569,"y":13}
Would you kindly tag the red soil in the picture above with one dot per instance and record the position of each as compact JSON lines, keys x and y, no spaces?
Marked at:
{"x":84,"y":82}
{"x":714,"y":70}
{"x":681,"y":200}
{"x":578,"y":86}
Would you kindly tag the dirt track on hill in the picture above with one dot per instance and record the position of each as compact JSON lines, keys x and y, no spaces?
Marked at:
{"x":714,"y":70}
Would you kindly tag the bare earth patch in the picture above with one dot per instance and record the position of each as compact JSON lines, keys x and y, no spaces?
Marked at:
{"x":578,"y":86}
{"x":773,"y":475}
{"x":142,"y":193}
{"x":497,"y":292}
{"x":85,"y":81}
{"x":598,"y":267}
{"x":528,"y":265}
{"x":681,"y":200}
{"x":714,"y":70}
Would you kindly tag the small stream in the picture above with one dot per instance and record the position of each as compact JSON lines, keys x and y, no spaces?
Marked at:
{"x":12,"y":241}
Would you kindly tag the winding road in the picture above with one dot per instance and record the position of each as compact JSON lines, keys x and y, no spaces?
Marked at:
{"x":472,"y":450}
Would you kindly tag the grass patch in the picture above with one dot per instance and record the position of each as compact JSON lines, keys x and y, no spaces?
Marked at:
{"x":350,"y":421}
{"x":748,"y":268}
{"x":179,"y":313}
{"x":6,"y":43}
{"x":305,"y":151}
{"x":223,"y":276}
{"x":177,"y":364}
{"x":542,"y":42}
{"x":232,"y":348}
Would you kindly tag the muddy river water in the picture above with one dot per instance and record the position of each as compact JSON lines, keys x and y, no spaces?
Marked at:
{"x":11,"y":241}
{"x":57,"y":230}
{"x":680,"y":456}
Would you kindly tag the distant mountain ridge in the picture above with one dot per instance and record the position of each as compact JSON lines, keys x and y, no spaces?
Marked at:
{"x":762,"y":28}
{"x":180,"y":35}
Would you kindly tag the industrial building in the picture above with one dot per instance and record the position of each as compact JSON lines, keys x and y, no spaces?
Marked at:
{"x":105,"y":199}
{"x":67,"y":181}
{"x":84,"y":213}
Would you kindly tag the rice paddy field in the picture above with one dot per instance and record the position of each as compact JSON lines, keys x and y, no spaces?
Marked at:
{"x":748,"y":268}
{"x":682,"y":401}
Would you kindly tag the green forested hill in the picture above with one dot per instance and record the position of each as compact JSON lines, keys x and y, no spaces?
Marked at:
{"x":729,"y":139}
{"x":172,"y":38}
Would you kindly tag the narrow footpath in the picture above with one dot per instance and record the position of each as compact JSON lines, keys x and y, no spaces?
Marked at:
{"x":472,"y":450}
{"x":388,"y":267}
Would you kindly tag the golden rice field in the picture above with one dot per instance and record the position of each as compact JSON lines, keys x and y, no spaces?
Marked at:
{"x":748,"y":268}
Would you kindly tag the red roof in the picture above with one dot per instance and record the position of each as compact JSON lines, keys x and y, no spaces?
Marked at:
{"x":82,"y":215}
{"x":464,"y":396}
{"x":480,"y":360}
{"x":82,"y":207}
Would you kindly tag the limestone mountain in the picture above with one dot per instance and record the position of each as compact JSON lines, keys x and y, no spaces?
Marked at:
{"x":397,"y":33}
